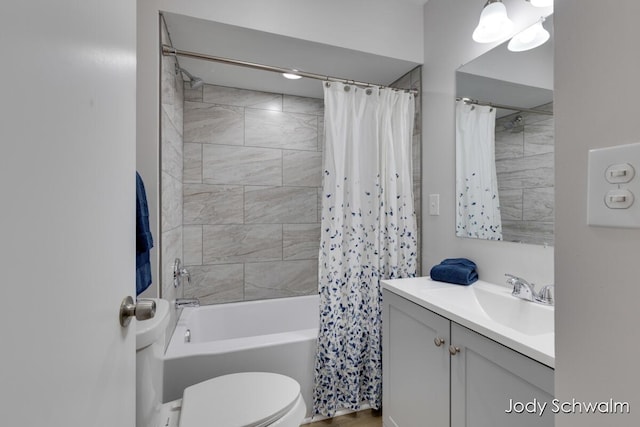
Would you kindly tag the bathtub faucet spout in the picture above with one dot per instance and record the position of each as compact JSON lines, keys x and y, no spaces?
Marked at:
{"x":187,"y":302}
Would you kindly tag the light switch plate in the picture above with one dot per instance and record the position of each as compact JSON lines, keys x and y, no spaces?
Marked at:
{"x":603,"y":209}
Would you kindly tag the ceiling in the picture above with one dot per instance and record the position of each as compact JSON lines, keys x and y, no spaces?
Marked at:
{"x":217,"y":39}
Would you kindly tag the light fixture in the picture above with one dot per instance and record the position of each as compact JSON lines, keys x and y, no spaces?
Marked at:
{"x":532,"y":37}
{"x":542,"y":3}
{"x":292,"y":76}
{"x":494,"y":23}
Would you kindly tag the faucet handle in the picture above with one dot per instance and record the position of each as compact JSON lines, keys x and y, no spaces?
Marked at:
{"x":545,"y":295}
{"x":512,"y":280}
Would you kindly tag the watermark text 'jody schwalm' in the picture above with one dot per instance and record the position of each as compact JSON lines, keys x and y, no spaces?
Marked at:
{"x":572,"y":406}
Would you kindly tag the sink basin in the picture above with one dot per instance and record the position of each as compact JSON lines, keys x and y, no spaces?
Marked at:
{"x":497,"y":304}
{"x":524,"y":316}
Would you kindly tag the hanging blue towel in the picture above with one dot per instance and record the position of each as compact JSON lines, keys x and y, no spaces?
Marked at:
{"x":460,"y":271}
{"x":144,"y":239}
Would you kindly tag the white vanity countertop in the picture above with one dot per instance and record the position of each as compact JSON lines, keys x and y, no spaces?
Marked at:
{"x":487,"y":309}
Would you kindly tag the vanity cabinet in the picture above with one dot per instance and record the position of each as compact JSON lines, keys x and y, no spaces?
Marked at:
{"x":467,"y":381}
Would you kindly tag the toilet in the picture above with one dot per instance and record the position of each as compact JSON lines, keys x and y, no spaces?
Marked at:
{"x":246,"y":399}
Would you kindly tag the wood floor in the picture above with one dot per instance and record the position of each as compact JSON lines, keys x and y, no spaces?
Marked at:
{"x":368,"y":418}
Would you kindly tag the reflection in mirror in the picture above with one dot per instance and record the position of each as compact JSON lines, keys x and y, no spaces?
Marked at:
{"x":505,"y":145}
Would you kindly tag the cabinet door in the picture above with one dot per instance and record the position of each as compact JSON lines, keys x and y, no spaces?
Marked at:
{"x":487,"y":378}
{"x":415,"y":370}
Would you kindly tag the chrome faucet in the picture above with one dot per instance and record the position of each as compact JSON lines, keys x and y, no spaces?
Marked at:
{"x":526,"y":291}
{"x":187,"y":302}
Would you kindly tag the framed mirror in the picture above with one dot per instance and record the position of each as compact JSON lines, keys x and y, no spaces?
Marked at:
{"x":505,"y":145}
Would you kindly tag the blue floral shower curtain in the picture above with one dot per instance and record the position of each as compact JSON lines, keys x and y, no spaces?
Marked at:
{"x":368,"y":234}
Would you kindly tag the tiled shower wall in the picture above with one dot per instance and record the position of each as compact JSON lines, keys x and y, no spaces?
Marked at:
{"x":171,"y":118}
{"x":252,"y":173}
{"x":524,"y":164}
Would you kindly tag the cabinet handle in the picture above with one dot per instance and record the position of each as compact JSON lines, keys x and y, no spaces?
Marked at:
{"x":454,"y":350}
{"x":438,"y":341}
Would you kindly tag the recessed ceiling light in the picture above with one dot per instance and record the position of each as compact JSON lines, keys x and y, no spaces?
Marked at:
{"x":292,"y":76}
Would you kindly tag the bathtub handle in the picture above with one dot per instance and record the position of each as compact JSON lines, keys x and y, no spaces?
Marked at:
{"x":187,"y":336}
{"x":179,"y":272}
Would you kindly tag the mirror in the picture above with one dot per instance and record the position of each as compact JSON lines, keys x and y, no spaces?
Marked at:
{"x":505,"y":156}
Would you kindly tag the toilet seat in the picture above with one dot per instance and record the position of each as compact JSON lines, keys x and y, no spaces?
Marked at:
{"x":248,"y":399}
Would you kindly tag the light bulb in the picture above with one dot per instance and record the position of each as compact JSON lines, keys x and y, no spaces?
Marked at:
{"x":542,"y":3}
{"x":494,"y":23}
{"x":529,"y":38}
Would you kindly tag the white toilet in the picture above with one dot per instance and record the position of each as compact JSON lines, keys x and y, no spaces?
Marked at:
{"x":247,"y":399}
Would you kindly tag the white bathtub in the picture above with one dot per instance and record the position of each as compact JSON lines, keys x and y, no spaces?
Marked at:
{"x":278,"y":335}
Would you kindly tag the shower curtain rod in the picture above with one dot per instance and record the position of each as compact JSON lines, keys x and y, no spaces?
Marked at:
{"x":168,"y":50}
{"x":504,"y":107}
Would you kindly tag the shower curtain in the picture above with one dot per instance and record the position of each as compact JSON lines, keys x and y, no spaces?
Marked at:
{"x":478,"y":210}
{"x":368,"y":234}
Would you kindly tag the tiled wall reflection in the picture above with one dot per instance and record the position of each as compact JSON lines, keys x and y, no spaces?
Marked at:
{"x":252,"y":174}
{"x":524,"y":164}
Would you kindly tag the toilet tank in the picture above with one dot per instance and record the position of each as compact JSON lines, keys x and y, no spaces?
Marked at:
{"x":150,"y":340}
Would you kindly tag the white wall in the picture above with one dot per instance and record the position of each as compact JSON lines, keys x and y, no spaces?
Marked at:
{"x":597,"y":88}
{"x":448,"y":27}
{"x":388,"y":28}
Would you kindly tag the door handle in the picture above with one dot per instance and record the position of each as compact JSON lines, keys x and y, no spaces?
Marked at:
{"x":143,"y":310}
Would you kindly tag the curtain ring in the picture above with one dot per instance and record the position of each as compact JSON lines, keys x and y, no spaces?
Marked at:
{"x":368,"y":91}
{"x":347,"y":88}
{"x":327,"y":84}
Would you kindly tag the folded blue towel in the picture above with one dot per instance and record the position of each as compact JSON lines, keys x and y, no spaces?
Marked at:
{"x":144,"y":239}
{"x":460,"y":271}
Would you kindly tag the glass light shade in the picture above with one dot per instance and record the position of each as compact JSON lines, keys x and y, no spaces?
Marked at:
{"x":530,"y":38}
{"x":291,"y":76}
{"x":542,"y":3}
{"x":494,"y":24}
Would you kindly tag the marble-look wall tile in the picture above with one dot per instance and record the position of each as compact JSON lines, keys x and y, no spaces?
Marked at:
{"x":272,"y":129}
{"x":171,"y":249}
{"x":169,"y":95}
{"x":192,"y":163}
{"x":171,"y":146}
{"x":192,"y":244}
{"x":531,"y":118}
{"x":213,"y":124}
{"x":192,"y":94}
{"x":241,"y":165}
{"x":511,"y":204}
{"x":224,"y":244}
{"x":299,"y":104}
{"x":416,"y":78}
{"x":526,"y":172}
{"x":539,"y":138}
{"x":534,"y":232}
{"x":213,"y":284}
{"x":213,"y":204}
{"x":171,"y":202}
{"x":223,"y":95}
{"x":280,"y":279}
{"x":301,"y":168}
{"x":280,"y":205}
{"x":538,"y":204}
{"x":300,"y":241}
{"x":509,"y":144}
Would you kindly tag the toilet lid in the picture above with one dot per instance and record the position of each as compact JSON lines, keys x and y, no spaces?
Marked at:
{"x":248,"y":399}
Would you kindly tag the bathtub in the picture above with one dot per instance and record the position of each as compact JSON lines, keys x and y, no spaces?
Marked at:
{"x":277,"y":335}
